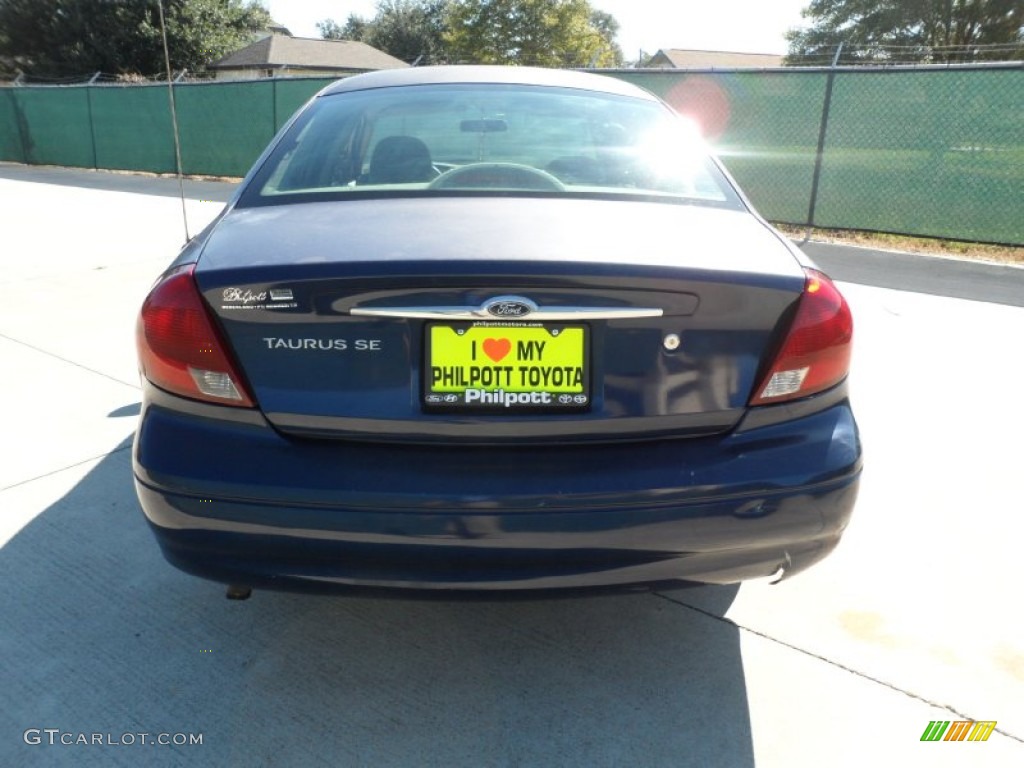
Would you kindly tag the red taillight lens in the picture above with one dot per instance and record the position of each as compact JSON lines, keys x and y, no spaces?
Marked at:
{"x":179,"y":348}
{"x":815,"y":354}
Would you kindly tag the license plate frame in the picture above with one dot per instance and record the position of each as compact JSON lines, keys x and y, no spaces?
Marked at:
{"x":505,"y":367}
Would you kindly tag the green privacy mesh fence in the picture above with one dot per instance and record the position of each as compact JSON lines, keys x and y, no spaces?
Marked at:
{"x":764,"y":124}
{"x":925,"y":151}
{"x":223,"y":126}
{"x":132,"y":128}
{"x":56,"y":126}
{"x":940,"y":153}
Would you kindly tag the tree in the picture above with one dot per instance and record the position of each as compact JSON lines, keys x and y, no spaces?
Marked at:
{"x":356,"y":28}
{"x":73,"y":37}
{"x":539,"y":32}
{"x":607,"y":27}
{"x":329,"y":29}
{"x":532,"y":32}
{"x":407,"y":29}
{"x":923,"y":30}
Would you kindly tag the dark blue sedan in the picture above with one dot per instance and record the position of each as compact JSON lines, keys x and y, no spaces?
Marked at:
{"x":482,"y":329}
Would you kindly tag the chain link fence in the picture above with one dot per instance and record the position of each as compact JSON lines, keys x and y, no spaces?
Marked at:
{"x":223,"y":126}
{"x":933,"y":151}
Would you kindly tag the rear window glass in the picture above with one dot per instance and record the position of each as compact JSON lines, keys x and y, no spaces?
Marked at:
{"x":488,"y":139}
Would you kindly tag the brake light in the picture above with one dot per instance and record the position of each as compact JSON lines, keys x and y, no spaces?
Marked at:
{"x":815,"y":354}
{"x":179,"y":347}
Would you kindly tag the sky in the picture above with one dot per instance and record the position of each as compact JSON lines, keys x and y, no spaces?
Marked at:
{"x":748,"y":26}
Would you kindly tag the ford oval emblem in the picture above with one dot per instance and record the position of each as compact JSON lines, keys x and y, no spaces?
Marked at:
{"x":507,"y":307}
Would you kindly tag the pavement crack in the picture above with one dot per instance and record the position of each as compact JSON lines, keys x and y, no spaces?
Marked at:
{"x":828,"y":661}
{"x":34,"y":348}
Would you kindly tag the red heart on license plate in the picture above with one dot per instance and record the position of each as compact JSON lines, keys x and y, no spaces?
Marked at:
{"x":496,"y":349}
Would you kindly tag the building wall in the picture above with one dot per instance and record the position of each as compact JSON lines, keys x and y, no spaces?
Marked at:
{"x":257,"y":74}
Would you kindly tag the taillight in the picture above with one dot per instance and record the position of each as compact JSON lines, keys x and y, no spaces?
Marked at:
{"x":179,"y":347}
{"x":815,"y":354}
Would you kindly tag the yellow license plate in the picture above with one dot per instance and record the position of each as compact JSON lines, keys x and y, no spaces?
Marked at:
{"x":513,"y":368}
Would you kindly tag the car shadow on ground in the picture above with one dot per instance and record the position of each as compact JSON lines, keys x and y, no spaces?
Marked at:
{"x":101,"y":636}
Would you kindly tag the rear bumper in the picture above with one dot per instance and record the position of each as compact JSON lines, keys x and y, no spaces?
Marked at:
{"x":236,"y":502}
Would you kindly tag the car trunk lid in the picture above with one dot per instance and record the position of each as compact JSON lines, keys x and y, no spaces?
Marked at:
{"x":336,"y":313}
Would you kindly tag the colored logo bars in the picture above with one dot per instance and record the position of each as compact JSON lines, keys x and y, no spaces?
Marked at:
{"x":960,"y":730}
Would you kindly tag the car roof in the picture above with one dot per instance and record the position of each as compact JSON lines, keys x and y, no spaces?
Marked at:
{"x":457,"y":74}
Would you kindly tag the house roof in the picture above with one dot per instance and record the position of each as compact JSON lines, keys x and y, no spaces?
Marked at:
{"x":308,"y":53}
{"x":688,"y":59}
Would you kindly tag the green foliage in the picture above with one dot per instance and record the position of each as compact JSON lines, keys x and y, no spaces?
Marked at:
{"x":329,"y":29}
{"x":532,"y":32}
{"x":356,"y":28}
{"x":72,"y":37}
{"x":407,"y":29}
{"x":924,"y":30}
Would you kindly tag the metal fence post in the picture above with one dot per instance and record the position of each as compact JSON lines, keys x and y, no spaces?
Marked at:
{"x":826,"y":108}
{"x":273,"y":106}
{"x":92,"y":124}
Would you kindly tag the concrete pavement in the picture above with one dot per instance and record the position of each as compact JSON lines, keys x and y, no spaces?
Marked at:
{"x":914,"y":618}
{"x":936,"y":276}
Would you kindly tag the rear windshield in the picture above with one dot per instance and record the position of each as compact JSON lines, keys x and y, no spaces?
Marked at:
{"x":488,"y":139}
